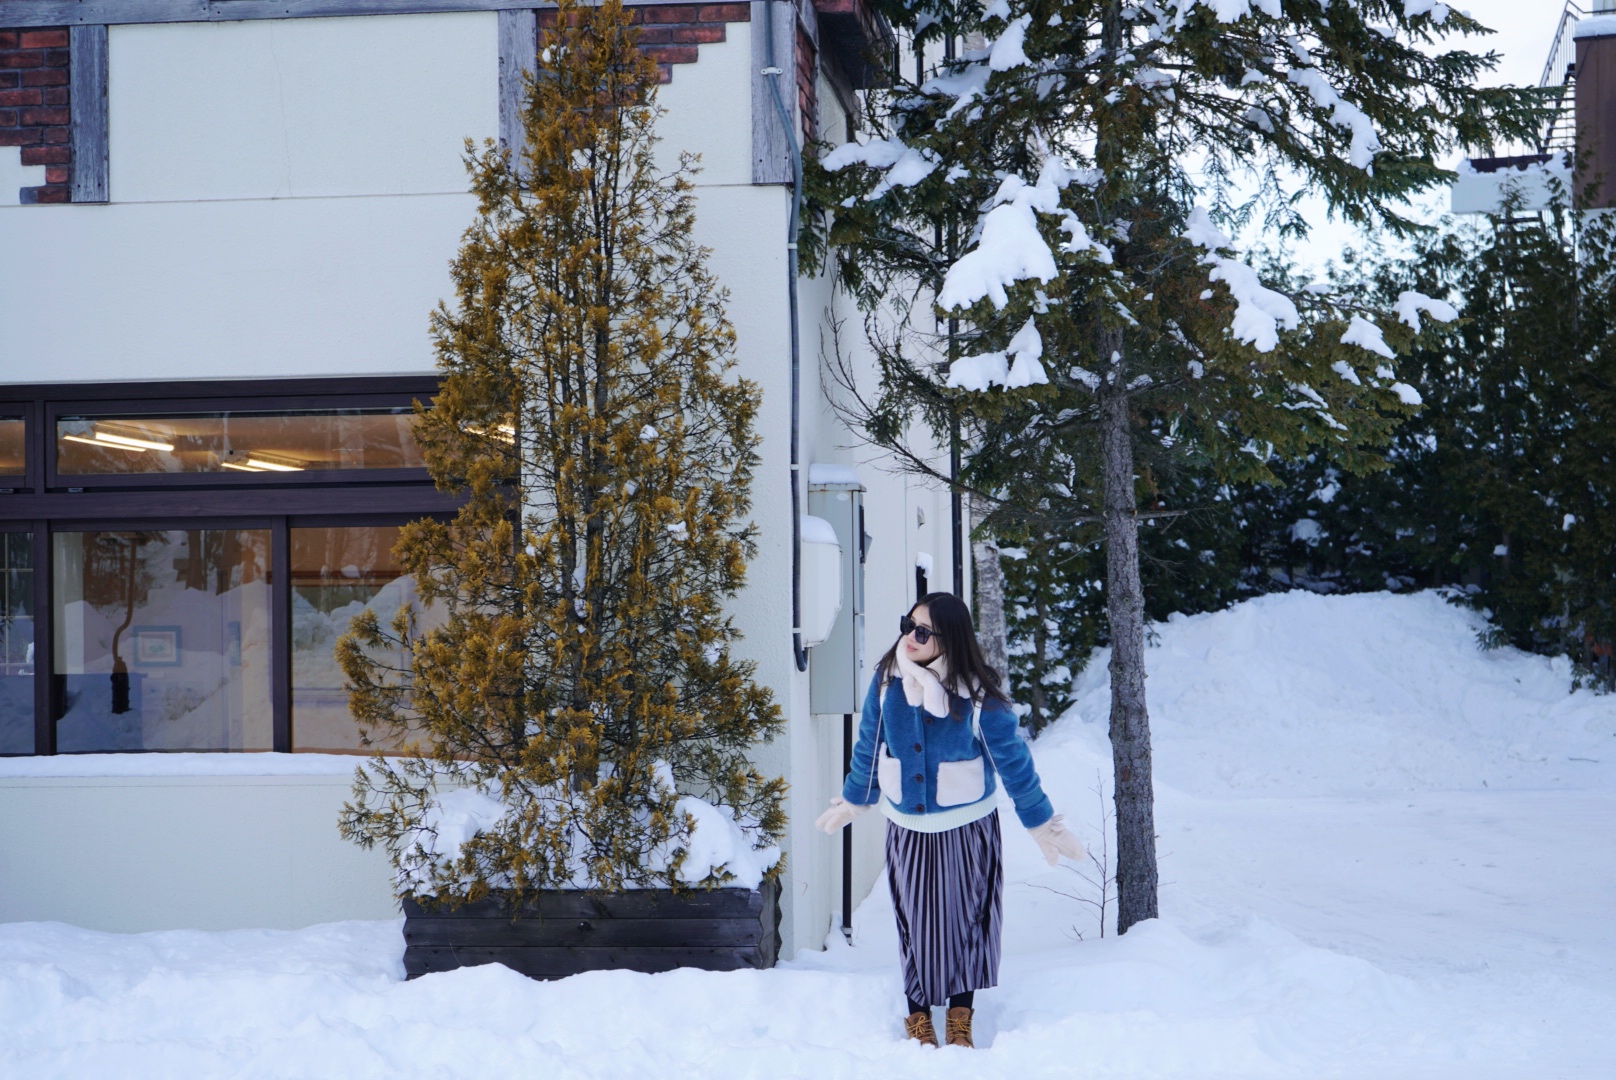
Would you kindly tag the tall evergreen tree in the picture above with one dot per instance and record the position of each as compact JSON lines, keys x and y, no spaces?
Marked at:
{"x":1105,"y":329}
{"x":588,"y":413}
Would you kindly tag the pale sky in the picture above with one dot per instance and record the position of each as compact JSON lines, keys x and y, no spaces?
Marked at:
{"x":1524,"y":32}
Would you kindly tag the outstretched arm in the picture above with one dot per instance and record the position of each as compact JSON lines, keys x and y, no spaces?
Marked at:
{"x":1012,"y":760}
{"x":860,"y":787}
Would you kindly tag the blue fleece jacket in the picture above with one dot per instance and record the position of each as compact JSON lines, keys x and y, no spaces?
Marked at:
{"x":921,"y":741}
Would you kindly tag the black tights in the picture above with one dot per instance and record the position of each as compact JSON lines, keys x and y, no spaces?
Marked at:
{"x":955,"y":1001}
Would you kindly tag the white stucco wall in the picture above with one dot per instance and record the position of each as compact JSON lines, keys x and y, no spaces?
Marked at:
{"x":14,"y":175}
{"x":225,"y":288}
{"x":298,"y":107}
{"x":200,"y":852}
{"x":708,"y":111}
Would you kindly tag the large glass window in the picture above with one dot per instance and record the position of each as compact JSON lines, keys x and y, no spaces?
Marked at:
{"x":237,"y":442}
{"x":162,"y":639}
{"x":16,"y":643}
{"x":178,"y":560}
{"x":13,"y":445}
{"x":338,"y":573}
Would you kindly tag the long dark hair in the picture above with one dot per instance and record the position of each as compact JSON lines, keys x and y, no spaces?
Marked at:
{"x":951,"y":621}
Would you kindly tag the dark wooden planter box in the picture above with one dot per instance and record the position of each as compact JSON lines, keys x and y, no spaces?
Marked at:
{"x":563,"y":933}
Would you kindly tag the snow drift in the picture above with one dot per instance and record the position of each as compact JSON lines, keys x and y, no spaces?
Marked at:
{"x":1385,"y":853}
{"x":1304,"y":694}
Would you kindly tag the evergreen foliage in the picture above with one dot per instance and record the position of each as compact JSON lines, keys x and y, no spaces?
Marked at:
{"x":1501,"y":487}
{"x":1047,"y":199}
{"x":588,"y":416}
{"x":1512,"y":438}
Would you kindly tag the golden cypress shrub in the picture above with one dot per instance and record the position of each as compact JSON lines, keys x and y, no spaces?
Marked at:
{"x":589,"y":415}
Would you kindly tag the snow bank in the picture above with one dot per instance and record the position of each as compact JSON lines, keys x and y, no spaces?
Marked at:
{"x":1300,"y":693}
{"x":1443,"y":916}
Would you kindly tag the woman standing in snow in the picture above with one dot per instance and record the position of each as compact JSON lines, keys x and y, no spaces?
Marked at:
{"x":933,"y":710}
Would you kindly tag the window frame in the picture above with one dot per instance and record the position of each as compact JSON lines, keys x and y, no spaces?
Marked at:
{"x":44,"y":506}
{"x":135,"y":408}
{"x":9,"y":482}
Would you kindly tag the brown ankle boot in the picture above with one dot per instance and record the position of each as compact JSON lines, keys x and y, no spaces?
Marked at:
{"x":918,"y":1027}
{"x":959,"y":1027}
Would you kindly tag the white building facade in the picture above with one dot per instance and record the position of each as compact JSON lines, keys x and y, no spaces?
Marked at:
{"x":222,"y":230}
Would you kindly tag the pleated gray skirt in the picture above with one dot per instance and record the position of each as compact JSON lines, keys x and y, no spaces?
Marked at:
{"x":948,"y":896}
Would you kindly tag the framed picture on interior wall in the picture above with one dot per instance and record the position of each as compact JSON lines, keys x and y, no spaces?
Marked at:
{"x":157,"y":646}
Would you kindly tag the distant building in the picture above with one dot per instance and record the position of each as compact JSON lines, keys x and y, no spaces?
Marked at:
{"x":1582,"y":67}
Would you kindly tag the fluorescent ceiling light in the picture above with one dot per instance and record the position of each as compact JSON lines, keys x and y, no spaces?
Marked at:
{"x":272,"y":466}
{"x":239,"y":467}
{"x":132,"y":443}
{"x":119,"y":442}
{"x":87,"y":441}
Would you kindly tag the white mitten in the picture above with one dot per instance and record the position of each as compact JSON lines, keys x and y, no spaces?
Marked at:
{"x":840,"y":814}
{"x":1054,"y":839}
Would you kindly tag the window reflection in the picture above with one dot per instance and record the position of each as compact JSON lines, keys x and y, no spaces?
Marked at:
{"x":337,"y":573}
{"x":16,"y":643}
{"x":162,"y":640}
{"x":13,"y":445}
{"x":237,"y":443}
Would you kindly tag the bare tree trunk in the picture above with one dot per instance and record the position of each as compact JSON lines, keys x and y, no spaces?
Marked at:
{"x":1037,"y":692}
{"x":990,"y":624}
{"x":1125,"y":609}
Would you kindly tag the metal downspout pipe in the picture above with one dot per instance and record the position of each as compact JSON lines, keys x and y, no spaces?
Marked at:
{"x":773,"y":72}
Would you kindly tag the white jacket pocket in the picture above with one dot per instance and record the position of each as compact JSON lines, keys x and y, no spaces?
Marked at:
{"x":960,"y":782}
{"x":890,"y":776}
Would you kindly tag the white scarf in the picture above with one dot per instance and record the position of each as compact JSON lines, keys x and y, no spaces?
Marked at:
{"x":924,"y":685}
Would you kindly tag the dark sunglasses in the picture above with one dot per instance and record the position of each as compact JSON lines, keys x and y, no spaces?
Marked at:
{"x":923,"y":634}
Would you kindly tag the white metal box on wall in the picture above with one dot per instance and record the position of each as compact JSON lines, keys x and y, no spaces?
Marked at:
{"x":836,"y":495}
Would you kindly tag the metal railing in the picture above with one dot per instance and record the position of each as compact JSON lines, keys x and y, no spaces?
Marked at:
{"x":1560,"y":71}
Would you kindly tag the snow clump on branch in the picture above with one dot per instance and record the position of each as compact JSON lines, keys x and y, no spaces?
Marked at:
{"x":1366,"y":335}
{"x":1439,"y":12}
{"x":1260,"y":313}
{"x":992,"y":369}
{"x":1410,"y":304}
{"x":904,"y":165}
{"x":1227,"y":11}
{"x":1011,"y":248}
{"x":1343,"y":114}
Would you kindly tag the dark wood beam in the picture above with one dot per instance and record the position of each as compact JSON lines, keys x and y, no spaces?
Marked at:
{"x":87,"y":65}
{"x":518,"y":53}
{"x":771,"y":152}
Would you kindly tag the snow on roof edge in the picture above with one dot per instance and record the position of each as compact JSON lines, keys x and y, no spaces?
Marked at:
{"x":837,"y":475}
{"x":1595,"y":26}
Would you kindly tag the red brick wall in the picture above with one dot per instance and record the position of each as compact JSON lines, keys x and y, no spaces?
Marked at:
{"x":673,"y":33}
{"x":34,"y":107}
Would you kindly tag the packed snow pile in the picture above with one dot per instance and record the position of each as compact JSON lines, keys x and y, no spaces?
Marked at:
{"x":716,"y":844}
{"x":1384,"y":853}
{"x":1304,"y":694}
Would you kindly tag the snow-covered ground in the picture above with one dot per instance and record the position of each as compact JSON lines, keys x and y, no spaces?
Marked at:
{"x":1384,"y":855}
